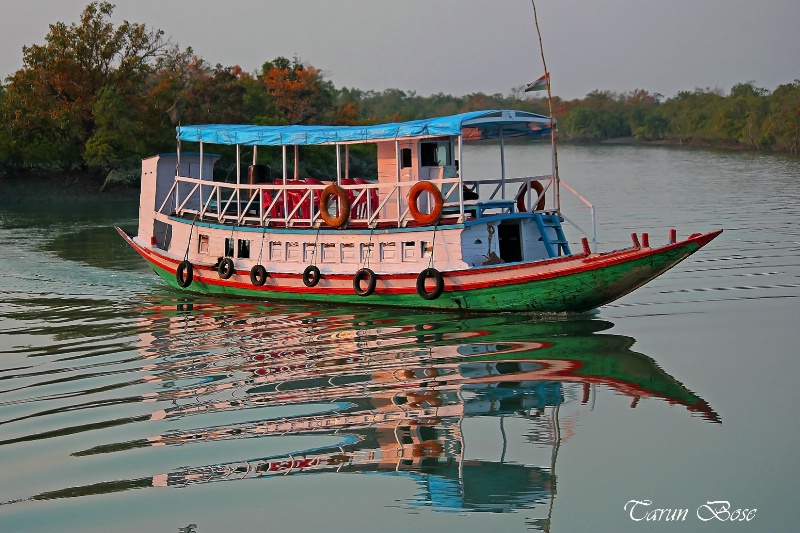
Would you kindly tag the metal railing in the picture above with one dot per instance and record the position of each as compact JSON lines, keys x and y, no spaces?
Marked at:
{"x":292,"y":204}
{"x":297,"y":203}
{"x":594,"y":215}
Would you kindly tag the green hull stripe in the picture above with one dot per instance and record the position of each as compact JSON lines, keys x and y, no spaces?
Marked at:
{"x":576,"y":292}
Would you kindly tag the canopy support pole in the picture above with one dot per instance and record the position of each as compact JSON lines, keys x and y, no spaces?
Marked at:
{"x":338,"y":164}
{"x":460,"y":181}
{"x":502,"y":164}
{"x":397,"y":167}
{"x":283,"y":192}
{"x":296,"y":162}
{"x":347,"y":161}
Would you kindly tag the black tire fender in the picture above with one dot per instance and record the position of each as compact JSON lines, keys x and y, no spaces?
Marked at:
{"x":311,"y":276}
{"x":437,"y":277}
{"x":184,"y":274}
{"x":362,"y":275}
{"x":258,"y":275}
{"x":225,"y":268}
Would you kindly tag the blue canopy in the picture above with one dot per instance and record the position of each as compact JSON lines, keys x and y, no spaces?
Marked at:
{"x":474,"y":125}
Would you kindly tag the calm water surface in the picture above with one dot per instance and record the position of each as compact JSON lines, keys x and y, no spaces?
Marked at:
{"x":126,"y":406}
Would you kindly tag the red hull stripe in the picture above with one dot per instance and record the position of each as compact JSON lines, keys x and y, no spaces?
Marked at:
{"x":582,"y":264}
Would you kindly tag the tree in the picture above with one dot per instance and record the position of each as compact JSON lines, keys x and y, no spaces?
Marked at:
{"x":52,"y":99}
{"x":782,"y":126}
{"x":298,"y":92}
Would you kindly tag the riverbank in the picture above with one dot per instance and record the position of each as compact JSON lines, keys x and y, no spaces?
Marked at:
{"x":21,"y":188}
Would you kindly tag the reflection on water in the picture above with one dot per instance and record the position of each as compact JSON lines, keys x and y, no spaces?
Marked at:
{"x":108,"y":383}
{"x":369,"y":391}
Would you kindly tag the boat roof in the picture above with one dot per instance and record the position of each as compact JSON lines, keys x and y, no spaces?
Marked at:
{"x":474,"y":125}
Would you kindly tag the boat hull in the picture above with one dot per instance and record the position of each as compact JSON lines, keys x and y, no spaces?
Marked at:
{"x":569,"y":284}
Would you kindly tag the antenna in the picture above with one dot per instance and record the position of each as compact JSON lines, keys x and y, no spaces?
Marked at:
{"x":557,"y":187}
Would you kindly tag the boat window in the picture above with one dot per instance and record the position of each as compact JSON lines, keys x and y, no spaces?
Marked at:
{"x":434,"y":154}
{"x":228,"y":247}
{"x":349,"y":253}
{"x":293,"y":251}
{"x":366,"y":250}
{"x":243,"y":251}
{"x":388,"y":251}
{"x":203,"y":244}
{"x":328,"y":252}
{"x":276,"y":251}
{"x":409,"y":251}
{"x":405,"y":158}
{"x":426,"y":248}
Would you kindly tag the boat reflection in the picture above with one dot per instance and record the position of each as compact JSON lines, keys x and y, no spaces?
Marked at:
{"x":428,"y":396}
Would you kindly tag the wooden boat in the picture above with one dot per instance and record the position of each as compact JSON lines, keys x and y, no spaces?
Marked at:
{"x":425,"y":232}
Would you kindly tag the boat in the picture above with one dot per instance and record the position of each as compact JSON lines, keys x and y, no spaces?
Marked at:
{"x":424,"y":232}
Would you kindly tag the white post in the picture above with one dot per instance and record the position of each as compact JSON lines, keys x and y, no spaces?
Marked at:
{"x":338,"y":165}
{"x":238,"y":182}
{"x":285,"y":199}
{"x":502,"y":165}
{"x":347,"y":161}
{"x":460,"y":181}
{"x":296,"y":162}
{"x":397,"y":167}
{"x":255,"y":153}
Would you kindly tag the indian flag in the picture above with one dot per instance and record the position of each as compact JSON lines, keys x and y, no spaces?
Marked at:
{"x":540,"y":84}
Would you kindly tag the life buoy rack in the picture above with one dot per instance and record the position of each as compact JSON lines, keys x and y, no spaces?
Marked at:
{"x":311,"y":276}
{"x":225,"y":268}
{"x":438,"y":280}
{"x":438,"y":203}
{"x":258,"y":275}
{"x":368,"y":276}
{"x":184,"y":274}
{"x":344,"y":206}
{"x":523,"y":192}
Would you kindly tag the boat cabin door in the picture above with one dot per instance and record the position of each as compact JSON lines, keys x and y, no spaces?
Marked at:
{"x":509,"y":241}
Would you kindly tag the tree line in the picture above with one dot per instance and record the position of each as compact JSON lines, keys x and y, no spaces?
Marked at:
{"x":93,"y":96}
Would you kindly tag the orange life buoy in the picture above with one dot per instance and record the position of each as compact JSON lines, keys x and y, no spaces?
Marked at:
{"x":438,"y":203}
{"x":344,"y":206}
{"x":538,"y":189}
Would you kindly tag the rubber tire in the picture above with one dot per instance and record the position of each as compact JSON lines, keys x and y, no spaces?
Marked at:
{"x":185,"y":267}
{"x":311,"y":276}
{"x":437,"y":277}
{"x":225,"y":269}
{"x":258,"y":275}
{"x":371,"y":279}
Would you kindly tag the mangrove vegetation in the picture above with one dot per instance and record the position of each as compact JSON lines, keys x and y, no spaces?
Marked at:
{"x":94,"y":97}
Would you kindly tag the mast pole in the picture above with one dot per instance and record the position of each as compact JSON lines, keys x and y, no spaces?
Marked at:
{"x":557,"y":183}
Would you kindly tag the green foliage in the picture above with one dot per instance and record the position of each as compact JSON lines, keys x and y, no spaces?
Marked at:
{"x":51,"y":101}
{"x":94,"y":96}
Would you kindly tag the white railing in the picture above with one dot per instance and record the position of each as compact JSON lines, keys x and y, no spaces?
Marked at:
{"x":293,"y":204}
{"x":372,"y":204}
{"x":594,"y":215}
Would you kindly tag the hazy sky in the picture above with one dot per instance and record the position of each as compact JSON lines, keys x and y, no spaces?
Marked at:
{"x":460,"y":47}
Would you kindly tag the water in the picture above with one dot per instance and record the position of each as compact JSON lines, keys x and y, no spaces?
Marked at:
{"x":126,"y":406}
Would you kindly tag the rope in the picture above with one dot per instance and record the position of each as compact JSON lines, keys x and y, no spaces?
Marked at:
{"x":314,"y":251}
{"x":433,"y":246}
{"x":261,"y":251}
{"x":369,"y":248}
{"x":189,"y":242}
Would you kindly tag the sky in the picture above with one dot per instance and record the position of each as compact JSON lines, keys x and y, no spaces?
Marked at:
{"x":460,"y":47}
